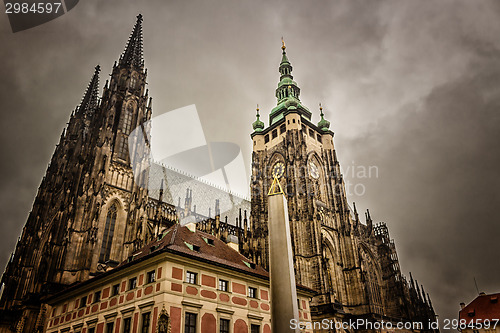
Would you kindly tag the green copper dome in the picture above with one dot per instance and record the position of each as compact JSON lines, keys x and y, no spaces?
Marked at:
{"x":258,"y":125}
{"x":323,"y":124}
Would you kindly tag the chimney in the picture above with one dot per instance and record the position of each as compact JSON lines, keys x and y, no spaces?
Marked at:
{"x":232,"y":241}
{"x":462,"y":306}
{"x":189,"y":222}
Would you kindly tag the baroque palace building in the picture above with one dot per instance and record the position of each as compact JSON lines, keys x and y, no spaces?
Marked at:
{"x":96,"y":207}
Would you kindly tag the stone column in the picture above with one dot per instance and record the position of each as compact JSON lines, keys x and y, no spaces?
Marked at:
{"x":283,"y":288}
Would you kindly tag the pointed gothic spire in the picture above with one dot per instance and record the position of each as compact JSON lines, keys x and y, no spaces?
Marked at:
{"x":133,"y":54}
{"x":418,"y":290}
{"x":160,"y":197}
{"x":369,"y":221}
{"x":430,"y":302}
{"x":356,"y":215}
{"x":91,"y":97}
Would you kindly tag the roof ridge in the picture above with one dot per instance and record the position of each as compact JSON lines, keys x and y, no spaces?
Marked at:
{"x":174,"y":234}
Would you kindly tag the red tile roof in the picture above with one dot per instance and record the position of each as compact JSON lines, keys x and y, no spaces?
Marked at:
{"x":180,"y":240}
{"x":483,"y":307}
{"x":183,"y":241}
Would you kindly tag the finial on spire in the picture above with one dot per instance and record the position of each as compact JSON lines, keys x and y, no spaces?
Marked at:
{"x":283,"y":46}
{"x":258,"y":111}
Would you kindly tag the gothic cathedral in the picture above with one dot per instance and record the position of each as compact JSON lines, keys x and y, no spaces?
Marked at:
{"x":92,"y":210}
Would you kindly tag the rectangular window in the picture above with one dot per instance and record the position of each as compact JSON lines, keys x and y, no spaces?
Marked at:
{"x":115,"y":290}
{"x":224,"y":326}
{"x":97,"y":296}
{"x":283,"y":128}
{"x":190,"y":323}
{"x":311,"y":133}
{"x":275,"y":133}
{"x":252,"y":292}
{"x":191,"y":277}
{"x":132,"y":283}
{"x":223,"y":285}
{"x":127,"y":324}
{"x":83,"y":301}
{"x":254,"y":328}
{"x":146,"y":318}
{"x":151,"y":277}
{"x":109,"y":327}
{"x":92,"y":330}
{"x":266,"y":138}
{"x":318,"y":137}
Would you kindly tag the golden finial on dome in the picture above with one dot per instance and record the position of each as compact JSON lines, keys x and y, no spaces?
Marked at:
{"x":321,"y":110}
{"x":283,"y":47}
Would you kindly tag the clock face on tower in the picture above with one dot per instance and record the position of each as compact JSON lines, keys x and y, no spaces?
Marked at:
{"x":278,"y":170}
{"x":313,"y":170}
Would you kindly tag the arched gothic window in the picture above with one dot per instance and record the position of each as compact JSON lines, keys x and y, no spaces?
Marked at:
{"x":127,"y":118}
{"x":109,"y":229}
{"x":133,"y":81}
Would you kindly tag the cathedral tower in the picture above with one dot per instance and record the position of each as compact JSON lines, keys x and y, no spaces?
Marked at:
{"x":351,"y":267}
{"x":301,"y":154}
{"x":89,"y":211}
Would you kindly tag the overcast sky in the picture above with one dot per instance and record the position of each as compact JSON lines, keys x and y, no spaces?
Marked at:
{"x":410,"y":87}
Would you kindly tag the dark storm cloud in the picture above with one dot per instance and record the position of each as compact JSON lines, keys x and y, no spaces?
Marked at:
{"x":409,"y":86}
{"x":440,"y":161}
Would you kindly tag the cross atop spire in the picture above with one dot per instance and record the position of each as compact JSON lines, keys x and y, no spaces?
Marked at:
{"x":91,"y":97}
{"x":133,"y":54}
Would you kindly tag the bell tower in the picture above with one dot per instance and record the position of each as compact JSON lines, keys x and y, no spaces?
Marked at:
{"x":90,"y":209}
{"x":125,"y":106}
{"x":302,"y":156}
